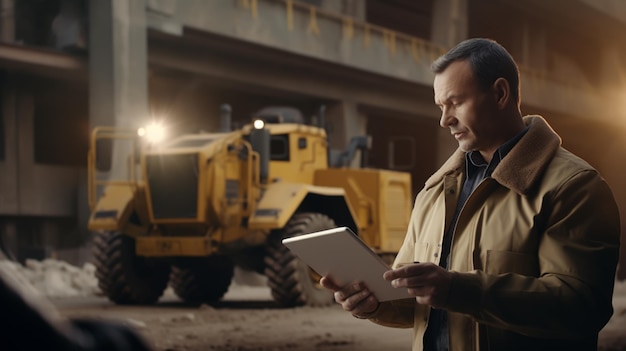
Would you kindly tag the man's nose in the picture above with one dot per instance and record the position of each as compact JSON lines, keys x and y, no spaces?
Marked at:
{"x":446,"y":119}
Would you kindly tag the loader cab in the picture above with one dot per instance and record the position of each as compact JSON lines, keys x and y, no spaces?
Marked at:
{"x":289,"y":150}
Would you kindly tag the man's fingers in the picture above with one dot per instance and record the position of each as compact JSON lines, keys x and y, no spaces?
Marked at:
{"x":415,"y":269}
{"x":349,"y":290}
{"x":399,"y":273}
{"x":328,"y":283}
{"x":355,"y":300}
{"x":411,"y":282}
{"x":354,"y":297}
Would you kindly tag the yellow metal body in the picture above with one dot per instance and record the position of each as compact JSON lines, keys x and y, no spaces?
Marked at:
{"x":120,"y":198}
{"x":281,"y":200}
{"x":304,"y":162}
{"x":380,"y":199}
{"x":173,"y":246}
{"x":202,"y":194}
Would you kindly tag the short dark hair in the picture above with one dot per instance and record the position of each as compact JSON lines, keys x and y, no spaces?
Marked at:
{"x":488,"y":60}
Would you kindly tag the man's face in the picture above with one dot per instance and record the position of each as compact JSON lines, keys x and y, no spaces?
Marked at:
{"x":468,"y":111}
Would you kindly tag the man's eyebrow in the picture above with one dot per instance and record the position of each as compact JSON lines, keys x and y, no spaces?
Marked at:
{"x":443,"y":101}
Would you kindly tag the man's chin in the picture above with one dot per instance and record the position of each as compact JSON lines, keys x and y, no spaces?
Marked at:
{"x":464,"y":148}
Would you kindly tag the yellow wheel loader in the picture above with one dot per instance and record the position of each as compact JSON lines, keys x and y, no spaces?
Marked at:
{"x":189,"y":210}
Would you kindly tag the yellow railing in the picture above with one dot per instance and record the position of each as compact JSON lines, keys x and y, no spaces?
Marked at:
{"x":352,"y":29}
{"x":355,"y":29}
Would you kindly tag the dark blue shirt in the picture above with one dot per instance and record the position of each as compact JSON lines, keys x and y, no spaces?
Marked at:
{"x":477,"y":169}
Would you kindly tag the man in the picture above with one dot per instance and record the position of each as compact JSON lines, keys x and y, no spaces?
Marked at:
{"x":517,"y":239}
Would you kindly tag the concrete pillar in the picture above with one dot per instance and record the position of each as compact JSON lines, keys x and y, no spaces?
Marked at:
{"x":346,"y":121}
{"x":118,"y":69}
{"x":449,"y":27}
{"x":9,"y":176}
{"x":450,"y":22}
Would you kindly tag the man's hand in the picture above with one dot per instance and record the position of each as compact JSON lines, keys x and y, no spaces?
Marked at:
{"x":428,"y":282}
{"x":354,"y":297}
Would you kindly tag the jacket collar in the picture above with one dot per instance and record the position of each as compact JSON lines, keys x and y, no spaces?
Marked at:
{"x":522,"y":167}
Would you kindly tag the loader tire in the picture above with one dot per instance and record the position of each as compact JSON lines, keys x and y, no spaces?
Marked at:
{"x":203,"y":280}
{"x":292,"y":282}
{"x":124,"y":277}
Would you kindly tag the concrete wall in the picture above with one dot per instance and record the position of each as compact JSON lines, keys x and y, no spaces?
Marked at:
{"x":302,"y":30}
{"x":29,"y":188}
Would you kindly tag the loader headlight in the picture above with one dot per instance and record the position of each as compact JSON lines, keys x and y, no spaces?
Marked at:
{"x":153,"y":133}
{"x":258,"y":124}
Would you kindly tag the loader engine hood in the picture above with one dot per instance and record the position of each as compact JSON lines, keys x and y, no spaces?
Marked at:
{"x":173,"y":175}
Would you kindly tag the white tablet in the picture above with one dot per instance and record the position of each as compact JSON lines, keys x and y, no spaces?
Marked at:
{"x":342,"y":255}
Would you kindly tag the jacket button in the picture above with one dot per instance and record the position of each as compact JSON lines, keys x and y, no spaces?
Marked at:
{"x":436,"y":254}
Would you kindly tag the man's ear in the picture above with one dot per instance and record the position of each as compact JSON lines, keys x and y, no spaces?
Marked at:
{"x":502,"y":92}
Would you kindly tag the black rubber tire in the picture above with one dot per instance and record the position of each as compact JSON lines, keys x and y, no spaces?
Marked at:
{"x":124,"y":277}
{"x":292,"y":282}
{"x":203,"y":280}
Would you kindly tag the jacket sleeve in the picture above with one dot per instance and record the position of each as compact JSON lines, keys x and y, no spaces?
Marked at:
{"x":395,"y":314}
{"x":578,"y":245}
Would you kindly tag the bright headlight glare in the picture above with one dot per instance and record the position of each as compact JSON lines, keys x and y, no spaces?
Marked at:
{"x":258,"y":124}
{"x":153,"y":133}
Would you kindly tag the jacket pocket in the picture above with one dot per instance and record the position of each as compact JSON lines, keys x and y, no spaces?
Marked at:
{"x":424,"y":252}
{"x":500,"y":262}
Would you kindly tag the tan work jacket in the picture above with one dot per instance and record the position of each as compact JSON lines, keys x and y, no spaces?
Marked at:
{"x":533,"y":255}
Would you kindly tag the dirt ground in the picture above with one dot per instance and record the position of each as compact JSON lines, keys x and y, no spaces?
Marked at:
{"x":245,"y":320}
{"x":248,"y":320}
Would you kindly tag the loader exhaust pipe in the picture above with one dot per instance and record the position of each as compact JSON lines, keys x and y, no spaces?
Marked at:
{"x":260,"y":142}
{"x":225,"y":118}
{"x":321,"y":119}
{"x":321,"y":122}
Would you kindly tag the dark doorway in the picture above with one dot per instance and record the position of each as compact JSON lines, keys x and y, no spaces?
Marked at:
{"x":406,"y":144}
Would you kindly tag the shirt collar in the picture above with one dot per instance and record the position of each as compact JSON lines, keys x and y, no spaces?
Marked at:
{"x":475,"y":160}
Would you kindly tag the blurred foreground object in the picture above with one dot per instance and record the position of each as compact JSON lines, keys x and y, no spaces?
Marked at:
{"x":24,"y":308}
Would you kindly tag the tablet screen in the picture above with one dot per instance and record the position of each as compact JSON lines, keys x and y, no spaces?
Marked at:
{"x":342,"y":255}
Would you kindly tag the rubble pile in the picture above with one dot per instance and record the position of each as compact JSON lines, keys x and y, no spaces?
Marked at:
{"x":54,"y":278}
